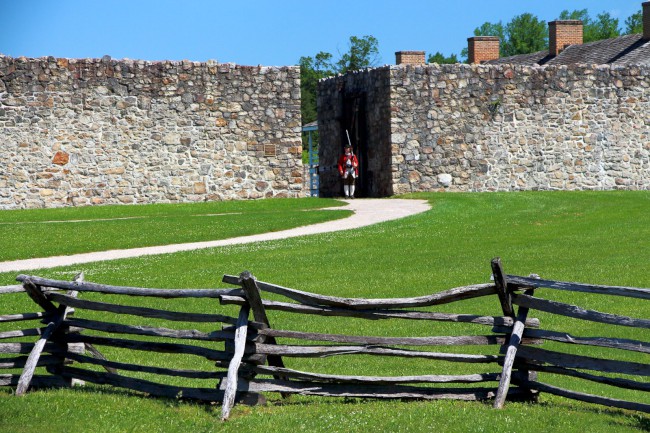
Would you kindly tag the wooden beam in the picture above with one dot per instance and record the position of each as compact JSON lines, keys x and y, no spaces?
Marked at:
{"x":529,"y":282}
{"x":254,"y":298}
{"x":511,"y":353}
{"x":25,"y":316}
{"x":130,"y":291}
{"x":381,"y":314}
{"x":139,"y":311}
{"x":544,"y":356}
{"x":235,"y":362}
{"x":59,"y":316}
{"x":35,"y":293}
{"x":576,"y":312}
{"x":445,"y":297}
{"x":502,"y":287}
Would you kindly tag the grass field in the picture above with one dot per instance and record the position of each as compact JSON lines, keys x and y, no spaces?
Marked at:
{"x":596,"y":237}
{"x":63,"y":231}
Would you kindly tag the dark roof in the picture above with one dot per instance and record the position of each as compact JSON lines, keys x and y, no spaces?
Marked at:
{"x":624,"y":50}
{"x":521,"y":59}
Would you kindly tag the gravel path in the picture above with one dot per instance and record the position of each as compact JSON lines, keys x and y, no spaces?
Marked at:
{"x":366,"y":212}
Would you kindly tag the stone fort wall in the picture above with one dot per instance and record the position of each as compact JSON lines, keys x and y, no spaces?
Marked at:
{"x":103,"y":131}
{"x":507,"y":128}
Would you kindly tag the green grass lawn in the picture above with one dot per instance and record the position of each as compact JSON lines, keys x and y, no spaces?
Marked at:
{"x":596,"y":237}
{"x":63,"y":231}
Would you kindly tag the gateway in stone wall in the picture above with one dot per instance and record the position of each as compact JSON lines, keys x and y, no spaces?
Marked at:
{"x":574,"y":117}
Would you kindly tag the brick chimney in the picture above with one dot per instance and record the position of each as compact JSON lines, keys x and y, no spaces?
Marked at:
{"x":563,"y":33}
{"x":646,"y":20}
{"x":482,"y":48}
{"x":410,"y":58}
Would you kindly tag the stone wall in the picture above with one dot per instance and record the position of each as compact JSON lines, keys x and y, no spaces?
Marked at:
{"x":507,"y":128}
{"x":101,"y":131}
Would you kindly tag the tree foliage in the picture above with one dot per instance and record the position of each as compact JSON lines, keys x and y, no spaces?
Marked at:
{"x":603,"y":27}
{"x":363,"y":52}
{"x":524,"y":34}
{"x":441,"y":59}
{"x":634,"y":23}
{"x":312,"y":69}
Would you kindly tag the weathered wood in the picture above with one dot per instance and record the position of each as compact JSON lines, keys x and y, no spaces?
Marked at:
{"x":502,"y":287}
{"x":99,"y":356}
{"x":32,"y":360}
{"x":447,"y":296}
{"x":169,"y":391}
{"x":34,"y":292}
{"x":615,"y":343}
{"x":235,"y":362}
{"x":150,"y":346}
{"x":140,"y":311}
{"x":582,"y":362}
{"x":377,"y":380}
{"x":115,"y":366}
{"x":381,"y":314}
{"x":26,"y":348}
{"x":325,"y":351}
{"x":254,"y":298}
{"x":576,"y":312}
{"x":38,"y":381}
{"x":525,"y":283}
{"x":25,"y":316}
{"x":21,"y":333}
{"x":117,"y":328}
{"x":129,"y":291}
{"x":511,"y":353}
{"x":16,"y":288}
{"x":407,"y":341}
{"x":367,"y":391}
{"x":59,"y":316}
{"x":613,"y":381}
{"x":590,"y":398}
{"x":20,"y":361}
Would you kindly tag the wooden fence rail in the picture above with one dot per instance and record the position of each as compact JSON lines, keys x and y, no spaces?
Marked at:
{"x":239,"y":356}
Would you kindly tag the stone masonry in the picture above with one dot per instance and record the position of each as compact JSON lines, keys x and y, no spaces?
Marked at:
{"x":498,"y":127}
{"x":103,"y":131}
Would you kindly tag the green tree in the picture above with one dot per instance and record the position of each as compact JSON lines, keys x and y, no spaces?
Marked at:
{"x":634,"y":23}
{"x":312,"y":69}
{"x":603,"y":27}
{"x":362,"y":53}
{"x":525,"y":33}
{"x":440,"y":58}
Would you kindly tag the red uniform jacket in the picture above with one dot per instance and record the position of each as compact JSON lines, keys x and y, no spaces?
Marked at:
{"x":343,"y":163}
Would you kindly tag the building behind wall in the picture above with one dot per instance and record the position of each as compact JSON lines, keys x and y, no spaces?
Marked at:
{"x":574,"y":118}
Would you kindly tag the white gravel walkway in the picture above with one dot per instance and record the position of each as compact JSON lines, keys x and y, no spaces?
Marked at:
{"x":366,"y":212}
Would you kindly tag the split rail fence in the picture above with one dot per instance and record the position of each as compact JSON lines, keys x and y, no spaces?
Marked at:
{"x":246,"y":356}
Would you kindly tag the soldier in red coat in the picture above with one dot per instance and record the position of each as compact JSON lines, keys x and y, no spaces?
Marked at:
{"x":349,"y":170}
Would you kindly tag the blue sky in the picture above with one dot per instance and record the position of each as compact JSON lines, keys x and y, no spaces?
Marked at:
{"x":256,"y":32}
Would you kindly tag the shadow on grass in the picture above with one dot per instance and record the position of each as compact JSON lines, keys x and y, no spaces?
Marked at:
{"x":618,"y":417}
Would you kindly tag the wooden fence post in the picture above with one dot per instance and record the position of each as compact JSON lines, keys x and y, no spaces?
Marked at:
{"x":59,"y":314}
{"x":249,"y":284}
{"x":233,"y":369}
{"x":511,"y":353}
{"x":502,"y":287}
